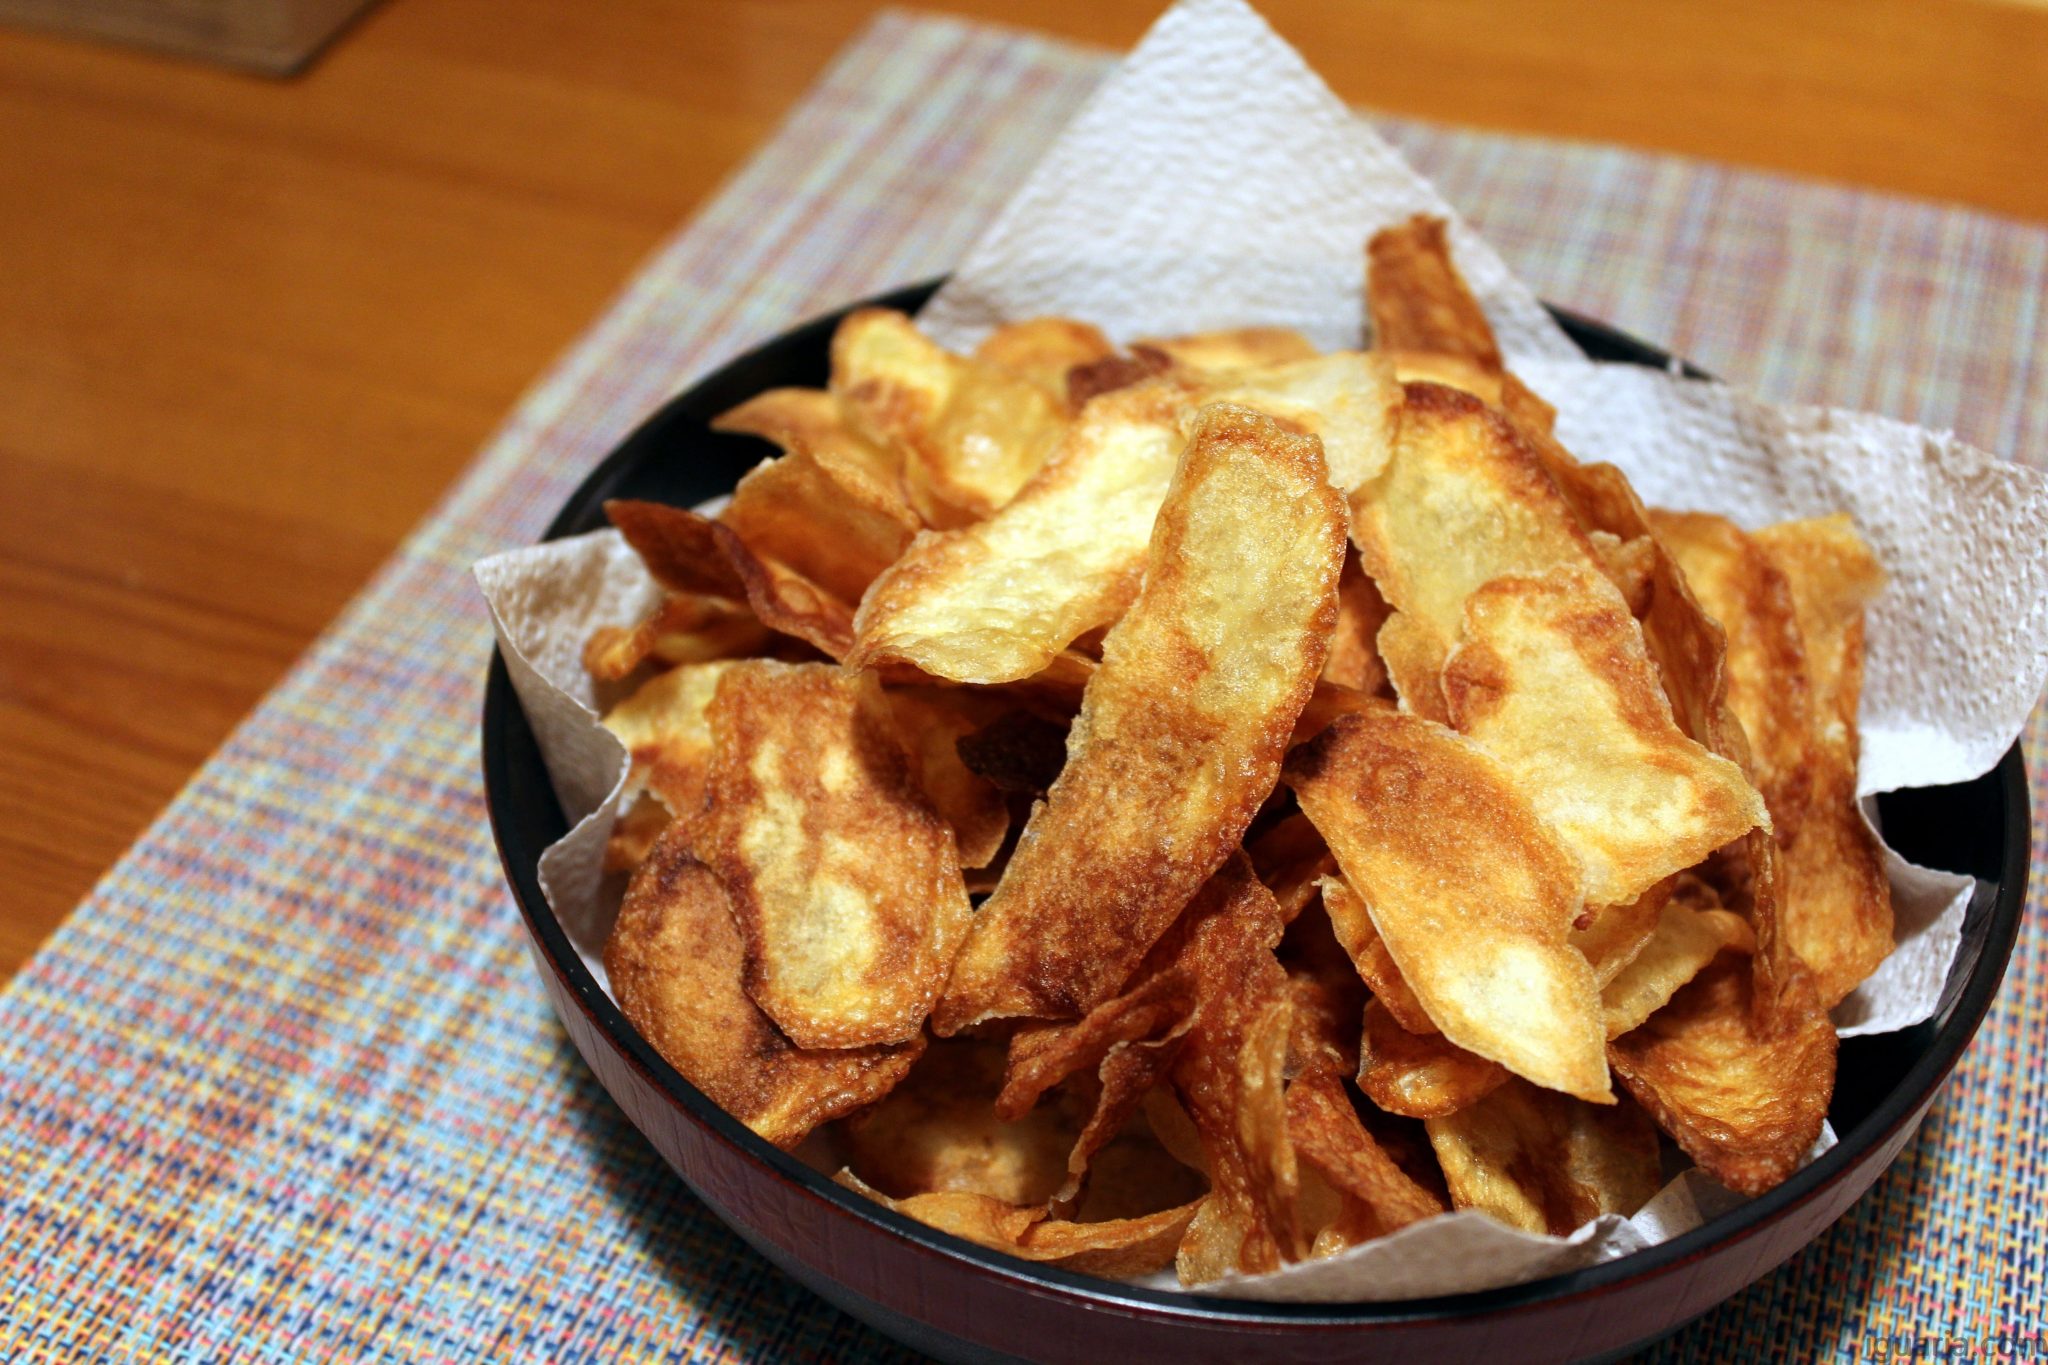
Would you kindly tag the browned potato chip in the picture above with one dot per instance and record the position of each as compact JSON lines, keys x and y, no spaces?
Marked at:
{"x":1181,"y":733}
{"x":844,"y":881}
{"x":1348,"y":400}
{"x":809,"y":422}
{"x":667,"y":735}
{"x":678,"y":548}
{"x":1043,"y":350}
{"x":1413,"y":655}
{"x":1745,"y":1103}
{"x":1545,"y":1162}
{"x":1117,"y":1249}
{"x":1610,"y":936}
{"x":1471,"y":891}
{"x":684,"y":629}
{"x":837,"y":536}
{"x":1354,"y":660}
{"x":1091,"y":379}
{"x":633,"y":835}
{"x":1686,"y":940}
{"x":675,"y":961}
{"x":1375,"y":1195}
{"x":1834,"y":901}
{"x":1289,"y":858}
{"x":1554,"y":681}
{"x":1460,"y":372}
{"x":970,"y":434}
{"x":1018,"y":751}
{"x":1328,"y":998}
{"x":1419,"y":1075}
{"x":932,"y":721}
{"x":1353,"y":925}
{"x":1233,"y":348}
{"x":938,"y":1131}
{"x":1419,"y":301}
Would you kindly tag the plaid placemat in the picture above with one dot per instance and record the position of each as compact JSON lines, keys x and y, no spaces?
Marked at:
{"x":284,"y":1087}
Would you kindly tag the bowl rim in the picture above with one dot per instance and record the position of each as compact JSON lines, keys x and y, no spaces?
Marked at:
{"x":503,"y":717}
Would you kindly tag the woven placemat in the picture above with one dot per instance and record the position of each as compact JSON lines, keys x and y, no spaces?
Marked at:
{"x":284,"y":1086}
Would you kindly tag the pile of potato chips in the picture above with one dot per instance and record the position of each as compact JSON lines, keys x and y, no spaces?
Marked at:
{"x":1213,"y":803}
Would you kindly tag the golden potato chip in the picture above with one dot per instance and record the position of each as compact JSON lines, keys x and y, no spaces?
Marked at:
{"x":1553,"y":680}
{"x":1744,"y":1101}
{"x":678,"y":547}
{"x":1044,"y":350}
{"x":1834,"y":901}
{"x":996,"y":601}
{"x":1545,"y":1162}
{"x":970,"y":434}
{"x":1090,"y":380}
{"x":1348,"y":400}
{"x":1376,"y":1195}
{"x":1419,"y":301}
{"x":1459,"y":372}
{"x":931,"y":722}
{"x":1419,"y":1075}
{"x":633,"y":834}
{"x":667,"y":735}
{"x":1117,"y":1249}
{"x":1126,"y":1074}
{"x":784,"y":599}
{"x":1181,"y":733}
{"x":1330,"y":701}
{"x":675,"y":961}
{"x":1289,"y":858}
{"x":1610,"y":936}
{"x":1413,"y":655}
{"x":844,"y":881}
{"x":1133,"y":1176}
{"x":1327,"y":995}
{"x":938,"y":1131}
{"x":809,"y":422}
{"x":1353,"y":925}
{"x":684,"y":629}
{"x":1231,"y":1078}
{"x":838,"y":537}
{"x":1354,"y":659}
{"x":1233,"y":348}
{"x":1471,"y":891}
{"x":1685,"y":942}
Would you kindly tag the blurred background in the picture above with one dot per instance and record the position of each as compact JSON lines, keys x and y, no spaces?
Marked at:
{"x":267,"y":282}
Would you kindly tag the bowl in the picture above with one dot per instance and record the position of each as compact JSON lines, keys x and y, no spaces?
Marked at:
{"x":961,"y":1302}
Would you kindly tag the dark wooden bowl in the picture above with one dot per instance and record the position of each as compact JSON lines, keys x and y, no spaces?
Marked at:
{"x":960,"y":1302}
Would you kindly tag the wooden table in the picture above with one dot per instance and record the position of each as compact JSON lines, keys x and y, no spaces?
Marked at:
{"x":250,"y":330}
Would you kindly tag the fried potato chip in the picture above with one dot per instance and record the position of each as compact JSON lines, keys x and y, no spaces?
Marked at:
{"x":1459,"y":372}
{"x":1471,"y":891}
{"x":1419,"y":1075}
{"x":1181,"y":733}
{"x":1289,"y":859}
{"x":937,"y":1131}
{"x":1348,"y":400}
{"x":1328,"y":998}
{"x":668,"y":736}
{"x":1417,"y":299}
{"x":633,"y":834}
{"x":1545,"y":1162}
{"x":1744,"y":1102}
{"x":1686,"y":940}
{"x":845,"y":883}
{"x":1554,"y":681}
{"x":1044,"y":350}
{"x":932,"y":721}
{"x":1354,"y":659}
{"x":809,"y":422}
{"x":1231,"y":1078}
{"x":836,"y":535}
{"x":1091,"y":380}
{"x":1353,"y":925}
{"x":996,"y":601}
{"x":1375,"y":1195}
{"x":675,"y":961}
{"x":684,"y":629}
{"x":1413,"y":655}
{"x":1610,"y":936}
{"x":970,"y":434}
{"x":1132,"y":1175}
{"x":1834,"y":901}
{"x":784,"y":599}
{"x":1233,"y":348}
{"x":1117,"y":1249}
{"x":677,"y":546}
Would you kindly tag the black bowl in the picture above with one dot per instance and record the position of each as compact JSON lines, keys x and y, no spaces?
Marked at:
{"x":963,"y":1302}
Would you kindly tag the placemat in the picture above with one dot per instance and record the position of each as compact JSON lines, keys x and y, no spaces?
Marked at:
{"x":284,"y":1086}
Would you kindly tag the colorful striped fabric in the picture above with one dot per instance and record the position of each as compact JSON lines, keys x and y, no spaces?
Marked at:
{"x":284,"y":1087}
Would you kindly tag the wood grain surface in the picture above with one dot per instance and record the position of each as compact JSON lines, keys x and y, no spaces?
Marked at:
{"x":249,"y":330}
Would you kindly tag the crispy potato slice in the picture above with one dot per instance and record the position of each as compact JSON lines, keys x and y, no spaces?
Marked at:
{"x":809,"y":422}
{"x":1132,"y":1175}
{"x":1354,"y":659}
{"x":1044,"y":350}
{"x":844,"y":881}
{"x":1348,"y":400}
{"x":1231,"y":1076}
{"x":1094,"y":378}
{"x":675,"y":961}
{"x":684,"y":629}
{"x":1289,"y":858}
{"x":1413,"y":655}
{"x":1376,"y":1195}
{"x":668,"y":736}
{"x":1610,"y":936}
{"x":1834,"y":901}
{"x":1353,"y":925}
{"x":1417,"y":299}
{"x":784,"y":599}
{"x":1686,"y":940}
{"x":678,"y":547}
{"x":996,"y":601}
{"x":1545,"y":1162}
{"x":1233,"y":348}
{"x":836,"y":535}
{"x":1471,"y":891}
{"x":634,"y":833}
{"x":1459,"y":372}
{"x":938,"y":1131}
{"x":1329,"y":999}
{"x":1743,"y":1101}
{"x":1181,"y":733}
{"x":1117,"y":1249}
{"x":1554,"y":681}
{"x":1419,"y":1075}
{"x":931,"y":722}
{"x":970,"y":434}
